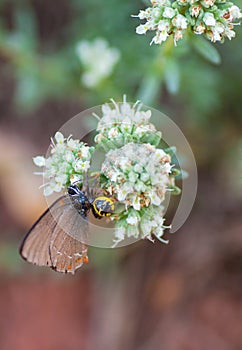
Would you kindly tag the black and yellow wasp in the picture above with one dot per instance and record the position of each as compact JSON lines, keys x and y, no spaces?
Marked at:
{"x":101,"y":206}
{"x":59,"y":238}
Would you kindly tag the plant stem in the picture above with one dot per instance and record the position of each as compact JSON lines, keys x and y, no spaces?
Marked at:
{"x":151,"y":82}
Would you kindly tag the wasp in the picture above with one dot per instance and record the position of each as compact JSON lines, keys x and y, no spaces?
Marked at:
{"x":101,"y":206}
{"x":58,"y":239}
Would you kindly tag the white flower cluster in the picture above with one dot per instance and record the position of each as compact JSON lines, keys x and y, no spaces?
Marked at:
{"x":125,"y":123}
{"x":138,"y":176}
{"x":146,"y":224}
{"x":98,"y":60}
{"x":213,"y":18}
{"x":69,"y":159}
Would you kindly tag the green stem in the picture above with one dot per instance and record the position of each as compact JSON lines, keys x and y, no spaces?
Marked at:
{"x":151,"y":82}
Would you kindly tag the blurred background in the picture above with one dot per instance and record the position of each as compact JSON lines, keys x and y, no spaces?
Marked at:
{"x":57,"y":59}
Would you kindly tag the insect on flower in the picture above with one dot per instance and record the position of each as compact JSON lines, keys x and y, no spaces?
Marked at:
{"x":47,"y":243}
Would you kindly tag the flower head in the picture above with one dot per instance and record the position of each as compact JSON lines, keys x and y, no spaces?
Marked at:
{"x":68,"y":161}
{"x":174,"y":17}
{"x":123,"y":123}
{"x":137,"y":176}
{"x":98,"y":60}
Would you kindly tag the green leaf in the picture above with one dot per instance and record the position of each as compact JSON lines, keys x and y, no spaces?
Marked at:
{"x":170,"y":150}
{"x":27,"y":92}
{"x":206,"y":49}
{"x":149,"y":88}
{"x":26,"y":25}
{"x":172,"y":76}
{"x":153,"y":139}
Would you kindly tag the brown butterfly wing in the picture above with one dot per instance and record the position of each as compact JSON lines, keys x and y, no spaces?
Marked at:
{"x":67,"y":254}
{"x":47,"y":244}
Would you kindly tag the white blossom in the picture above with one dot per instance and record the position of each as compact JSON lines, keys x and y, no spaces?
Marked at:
{"x":169,"y":12}
{"x":217,"y":31}
{"x":235,"y":12}
{"x":229,"y":33}
{"x":80,"y":165}
{"x":208,"y":3}
{"x":163,"y":25}
{"x":209,"y":19}
{"x":195,"y":10}
{"x":123,"y":191}
{"x":154,"y":198}
{"x":72,"y":144}
{"x":135,"y":202}
{"x":142,"y":29}
{"x":144,"y":176}
{"x":39,"y":161}
{"x":180,"y":22}
{"x":59,"y":138}
{"x":98,"y":60}
{"x":133,"y":219}
{"x":141,"y":15}
{"x":200,"y":28}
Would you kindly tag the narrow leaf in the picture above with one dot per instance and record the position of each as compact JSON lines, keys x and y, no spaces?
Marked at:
{"x":172,"y":76}
{"x":206,"y":49}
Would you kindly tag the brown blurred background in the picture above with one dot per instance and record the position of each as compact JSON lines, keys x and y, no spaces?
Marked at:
{"x":183,"y":296}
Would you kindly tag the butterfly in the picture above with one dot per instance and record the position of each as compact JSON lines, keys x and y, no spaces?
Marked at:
{"x":58,"y":239}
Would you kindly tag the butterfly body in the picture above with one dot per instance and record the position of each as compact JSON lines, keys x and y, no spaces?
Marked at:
{"x":80,"y":200}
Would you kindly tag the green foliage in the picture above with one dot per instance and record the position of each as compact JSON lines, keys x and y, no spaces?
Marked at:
{"x":206,"y":49}
{"x":39,"y":49}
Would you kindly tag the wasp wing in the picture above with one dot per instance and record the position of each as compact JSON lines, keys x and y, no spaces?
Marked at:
{"x":56,"y":239}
